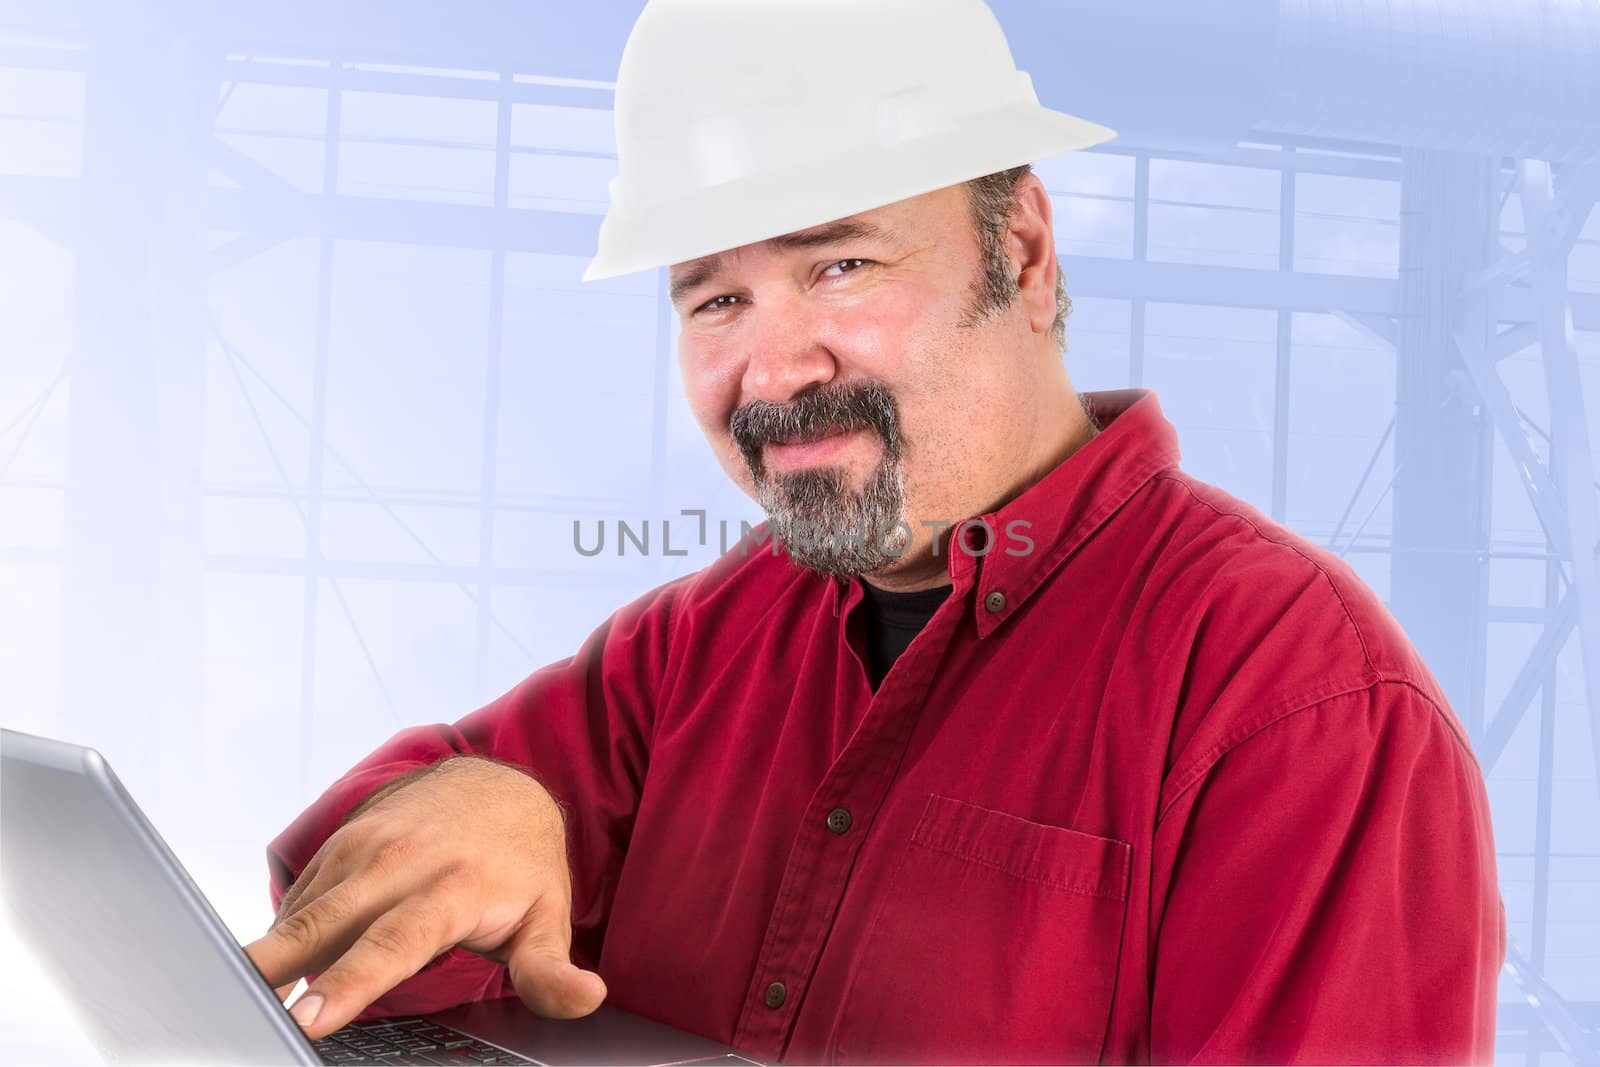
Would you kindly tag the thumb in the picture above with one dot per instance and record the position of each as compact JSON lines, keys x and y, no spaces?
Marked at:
{"x":545,"y":978}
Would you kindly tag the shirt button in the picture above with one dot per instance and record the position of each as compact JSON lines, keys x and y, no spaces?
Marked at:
{"x":776,"y":995}
{"x":838,"y":820}
{"x":995,"y":602}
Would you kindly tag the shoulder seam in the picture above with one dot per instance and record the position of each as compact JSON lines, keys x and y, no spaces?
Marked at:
{"x":1195,"y":768}
{"x":1201,"y":765}
{"x":1366,"y":653}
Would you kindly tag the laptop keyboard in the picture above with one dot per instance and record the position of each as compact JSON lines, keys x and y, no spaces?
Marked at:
{"x":409,"y":1041}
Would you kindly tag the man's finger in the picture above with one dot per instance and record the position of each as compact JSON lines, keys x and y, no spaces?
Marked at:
{"x":318,"y":933}
{"x":295,"y":891}
{"x":311,"y":888}
{"x":545,"y":978}
{"x":395,"y":947}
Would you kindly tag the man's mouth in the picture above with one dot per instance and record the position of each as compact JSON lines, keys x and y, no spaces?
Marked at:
{"x":795,"y":452}
{"x":833,"y":431}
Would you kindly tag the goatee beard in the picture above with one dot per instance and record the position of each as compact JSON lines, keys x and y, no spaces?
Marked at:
{"x":826,"y":527}
{"x":820,"y":520}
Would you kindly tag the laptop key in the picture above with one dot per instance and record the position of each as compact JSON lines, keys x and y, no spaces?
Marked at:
{"x":409,"y":1040}
{"x":436,"y":1034}
{"x":473,"y":1057}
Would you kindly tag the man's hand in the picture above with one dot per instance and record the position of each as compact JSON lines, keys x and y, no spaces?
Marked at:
{"x":472,"y":853}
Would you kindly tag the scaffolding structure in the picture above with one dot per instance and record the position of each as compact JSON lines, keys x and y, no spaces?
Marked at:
{"x":149,"y":226}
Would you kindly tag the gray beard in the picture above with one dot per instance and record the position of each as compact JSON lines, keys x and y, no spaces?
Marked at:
{"x":828,"y":528}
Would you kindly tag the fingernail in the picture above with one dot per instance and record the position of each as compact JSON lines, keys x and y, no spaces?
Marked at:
{"x":305,"y":1009}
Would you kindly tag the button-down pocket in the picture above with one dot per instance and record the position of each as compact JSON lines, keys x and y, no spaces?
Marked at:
{"x":996,"y":941}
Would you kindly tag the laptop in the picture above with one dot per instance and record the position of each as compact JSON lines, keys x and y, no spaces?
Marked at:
{"x":156,"y":976}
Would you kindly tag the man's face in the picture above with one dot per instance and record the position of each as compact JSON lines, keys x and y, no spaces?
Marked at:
{"x":846,"y":383}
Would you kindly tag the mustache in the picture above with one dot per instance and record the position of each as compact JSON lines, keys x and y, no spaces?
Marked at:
{"x":867,"y":406}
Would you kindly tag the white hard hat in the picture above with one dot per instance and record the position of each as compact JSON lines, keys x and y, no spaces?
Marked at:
{"x":741,"y":120}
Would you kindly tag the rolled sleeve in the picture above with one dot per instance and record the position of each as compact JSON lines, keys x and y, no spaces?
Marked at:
{"x":1326,"y":892}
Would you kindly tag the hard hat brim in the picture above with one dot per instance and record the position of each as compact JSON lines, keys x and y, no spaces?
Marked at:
{"x":767,"y":205}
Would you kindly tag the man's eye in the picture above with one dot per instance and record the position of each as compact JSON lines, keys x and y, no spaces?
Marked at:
{"x":712,"y":305}
{"x":841,"y":262}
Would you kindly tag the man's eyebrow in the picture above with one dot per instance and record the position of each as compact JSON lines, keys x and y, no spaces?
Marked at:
{"x":831,"y":233}
{"x":693,"y":277}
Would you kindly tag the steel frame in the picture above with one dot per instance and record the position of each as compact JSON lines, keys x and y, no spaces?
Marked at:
{"x":1525,"y":290}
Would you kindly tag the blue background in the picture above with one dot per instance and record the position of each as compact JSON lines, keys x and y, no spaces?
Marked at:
{"x":300,"y":393}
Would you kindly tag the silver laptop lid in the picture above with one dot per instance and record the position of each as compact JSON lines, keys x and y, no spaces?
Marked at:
{"x":117,"y":922}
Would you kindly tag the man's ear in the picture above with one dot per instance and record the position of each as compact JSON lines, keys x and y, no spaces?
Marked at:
{"x":1031,"y":244}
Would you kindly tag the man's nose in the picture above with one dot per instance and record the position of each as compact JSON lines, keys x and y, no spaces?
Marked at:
{"x":787,"y":355}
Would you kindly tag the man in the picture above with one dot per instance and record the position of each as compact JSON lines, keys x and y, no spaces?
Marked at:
{"x":1068,"y":757}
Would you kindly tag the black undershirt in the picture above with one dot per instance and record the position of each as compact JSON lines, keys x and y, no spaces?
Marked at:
{"x":892,"y":620}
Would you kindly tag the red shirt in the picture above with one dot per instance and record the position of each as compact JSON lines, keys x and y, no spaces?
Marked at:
{"x":1169,"y":786}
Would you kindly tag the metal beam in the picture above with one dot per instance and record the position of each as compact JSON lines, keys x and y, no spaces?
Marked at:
{"x":489,"y":477}
{"x":1508,"y":343}
{"x":1551,"y":1009}
{"x":353,"y":218}
{"x":1552,"y":224}
{"x":1381,"y":327}
{"x":131,"y":587}
{"x":57,"y":201}
{"x":1443,"y":443}
{"x":1536,"y":482}
{"x":1535,"y":669}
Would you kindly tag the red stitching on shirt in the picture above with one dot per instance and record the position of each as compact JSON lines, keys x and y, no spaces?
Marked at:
{"x":968,"y":857}
{"x":938,"y":831}
{"x":1085,"y":528}
{"x":1181,"y":479}
{"x":1251,"y":729}
{"x":1303,"y":701}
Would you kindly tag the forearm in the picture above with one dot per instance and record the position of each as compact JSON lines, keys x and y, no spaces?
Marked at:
{"x":421,"y":772}
{"x":385,"y":790}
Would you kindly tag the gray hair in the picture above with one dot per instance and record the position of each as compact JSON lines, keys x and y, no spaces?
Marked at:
{"x":993,"y":198}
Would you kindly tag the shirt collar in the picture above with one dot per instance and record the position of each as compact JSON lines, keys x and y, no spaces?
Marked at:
{"x":1033,"y":534}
